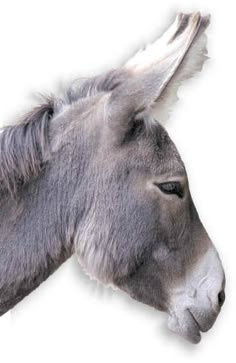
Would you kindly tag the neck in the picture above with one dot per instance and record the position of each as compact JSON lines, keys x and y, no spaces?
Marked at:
{"x":33,"y":243}
{"x":37,"y":228}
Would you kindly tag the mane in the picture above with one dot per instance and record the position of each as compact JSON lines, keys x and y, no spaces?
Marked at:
{"x":88,"y":87}
{"x":24,"y":147}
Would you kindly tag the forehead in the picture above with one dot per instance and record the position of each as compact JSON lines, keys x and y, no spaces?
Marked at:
{"x":154,"y":148}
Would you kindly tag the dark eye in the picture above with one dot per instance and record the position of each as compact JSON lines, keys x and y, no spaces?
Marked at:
{"x":172,"y":188}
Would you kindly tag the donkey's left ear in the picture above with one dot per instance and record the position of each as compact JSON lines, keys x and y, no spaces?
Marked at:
{"x":168,"y":56}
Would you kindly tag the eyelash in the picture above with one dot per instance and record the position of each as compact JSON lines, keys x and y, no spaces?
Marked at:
{"x":172,"y":188}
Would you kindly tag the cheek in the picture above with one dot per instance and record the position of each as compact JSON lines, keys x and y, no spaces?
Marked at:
{"x":146,"y":286}
{"x":173,"y":216}
{"x":174,"y":229}
{"x":171,"y":262}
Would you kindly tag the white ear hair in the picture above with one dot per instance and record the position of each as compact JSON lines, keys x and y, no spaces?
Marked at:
{"x":191,"y":64}
{"x":175,"y":56}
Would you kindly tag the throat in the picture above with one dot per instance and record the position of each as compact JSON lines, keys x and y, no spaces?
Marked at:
{"x":25,"y":273}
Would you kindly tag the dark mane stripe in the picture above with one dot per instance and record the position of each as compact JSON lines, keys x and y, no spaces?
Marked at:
{"x":23,"y":148}
{"x":87,"y":87}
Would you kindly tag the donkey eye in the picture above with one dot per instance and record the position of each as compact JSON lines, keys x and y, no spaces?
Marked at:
{"x":172,"y":188}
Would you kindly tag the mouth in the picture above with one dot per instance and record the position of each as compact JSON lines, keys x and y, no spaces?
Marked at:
{"x":190,"y":324}
{"x":197,"y":327}
{"x":194,"y":328}
{"x":186,"y":325}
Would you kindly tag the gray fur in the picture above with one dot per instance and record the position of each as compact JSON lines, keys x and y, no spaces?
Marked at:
{"x":80,"y":174}
{"x":23,"y":148}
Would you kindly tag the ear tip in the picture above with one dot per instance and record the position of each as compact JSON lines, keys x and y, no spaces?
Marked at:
{"x":204,"y":18}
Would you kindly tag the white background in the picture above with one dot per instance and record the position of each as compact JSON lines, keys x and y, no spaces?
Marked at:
{"x":70,"y":318}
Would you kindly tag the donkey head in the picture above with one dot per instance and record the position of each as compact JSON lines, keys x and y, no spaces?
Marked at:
{"x":122,"y":197}
{"x":141,"y":231}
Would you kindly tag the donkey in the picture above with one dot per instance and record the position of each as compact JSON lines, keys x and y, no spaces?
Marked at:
{"x":93,"y":172}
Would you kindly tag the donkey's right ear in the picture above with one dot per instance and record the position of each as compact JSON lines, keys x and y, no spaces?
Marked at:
{"x":177,"y":55}
{"x":192,"y":63}
{"x":154,"y":74}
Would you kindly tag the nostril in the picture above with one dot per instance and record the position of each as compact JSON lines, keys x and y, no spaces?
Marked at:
{"x":221,"y":297}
